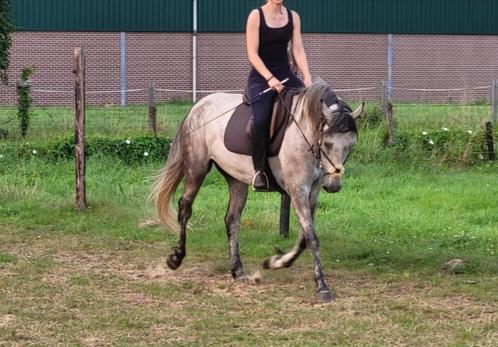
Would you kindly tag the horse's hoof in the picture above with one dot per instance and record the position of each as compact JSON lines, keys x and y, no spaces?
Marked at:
{"x":173,"y":262}
{"x":272,"y":263}
{"x":266,"y":264}
{"x":324,"y":296}
{"x":243,"y":279}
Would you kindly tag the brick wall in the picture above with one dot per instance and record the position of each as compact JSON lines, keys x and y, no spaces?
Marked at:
{"x":51,"y":53}
{"x":162,"y":58}
{"x":347,"y":61}
{"x":444,"y":62}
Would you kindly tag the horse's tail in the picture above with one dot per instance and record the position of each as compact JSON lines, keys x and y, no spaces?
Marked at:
{"x":166,"y":183}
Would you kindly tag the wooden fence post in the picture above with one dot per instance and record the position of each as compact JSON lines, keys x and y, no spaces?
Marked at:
{"x":390,"y":127}
{"x":387,"y":110}
{"x":152,"y":108}
{"x":284,"y":215}
{"x":79,"y":93}
{"x":383,"y":96}
{"x":494,"y":96}
{"x":489,"y":141}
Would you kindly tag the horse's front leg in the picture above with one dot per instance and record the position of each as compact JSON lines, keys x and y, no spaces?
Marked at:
{"x":304,"y":205}
{"x":238,"y":198}
{"x":284,"y":260}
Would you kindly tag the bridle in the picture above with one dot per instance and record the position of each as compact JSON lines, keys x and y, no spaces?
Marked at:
{"x":316,"y":149}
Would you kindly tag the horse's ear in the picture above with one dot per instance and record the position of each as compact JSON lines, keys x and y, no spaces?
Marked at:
{"x":359,"y":110}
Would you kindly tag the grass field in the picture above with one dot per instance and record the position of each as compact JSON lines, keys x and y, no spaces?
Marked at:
{"x":98,"y":277}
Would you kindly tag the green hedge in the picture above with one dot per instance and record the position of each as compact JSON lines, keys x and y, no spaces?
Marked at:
{"x":132,"y":150}
{"x":443,"y":146}
{"x":453,"y":147}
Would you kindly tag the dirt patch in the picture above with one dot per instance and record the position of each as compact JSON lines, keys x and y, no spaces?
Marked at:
{"x":127,"y":295}
{"x":7,"y":319}
{"x":351,"y":288}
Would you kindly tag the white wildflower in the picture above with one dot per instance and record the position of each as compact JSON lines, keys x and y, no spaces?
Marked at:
{"x":34,"y":151}
{"x":146,"y":154}
{"x":469,"y":131}
{"x":424,"y":133}
{"x":431,"y":142}
{"x":446,"y":129}
{"x":1,"y":156}
{"x":127,"y":141}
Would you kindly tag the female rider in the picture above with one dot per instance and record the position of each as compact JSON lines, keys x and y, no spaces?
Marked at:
{"x":269,"y":30}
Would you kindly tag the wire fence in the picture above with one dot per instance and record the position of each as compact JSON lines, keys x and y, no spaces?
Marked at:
{"x":475,"y":105}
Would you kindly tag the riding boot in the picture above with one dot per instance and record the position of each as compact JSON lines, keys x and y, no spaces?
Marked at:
{"x":259,"y":145}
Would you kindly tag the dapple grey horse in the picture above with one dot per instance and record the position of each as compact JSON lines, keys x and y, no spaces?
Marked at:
{"x":316,"y":144}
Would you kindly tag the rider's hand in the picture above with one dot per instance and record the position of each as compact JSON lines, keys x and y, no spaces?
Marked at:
{"x":275,"y":84}
{"x":307,"y":81}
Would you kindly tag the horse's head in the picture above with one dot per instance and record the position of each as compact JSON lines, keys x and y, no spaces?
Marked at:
{"x":338,"y":134}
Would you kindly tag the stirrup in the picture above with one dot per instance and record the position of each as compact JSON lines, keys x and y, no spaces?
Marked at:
{"x":258,"y":185}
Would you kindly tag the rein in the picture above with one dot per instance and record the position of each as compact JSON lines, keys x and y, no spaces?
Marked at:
{"x":317,"y":152}
{"x":233,"y":108}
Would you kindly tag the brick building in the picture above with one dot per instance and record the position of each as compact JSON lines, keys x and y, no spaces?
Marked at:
{"x":354,"y":52}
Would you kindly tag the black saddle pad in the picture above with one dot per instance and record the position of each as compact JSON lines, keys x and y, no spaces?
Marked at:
{"x":238,"y":135}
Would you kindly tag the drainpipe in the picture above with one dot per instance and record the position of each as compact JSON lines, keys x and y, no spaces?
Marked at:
{"x":122,"y":68}
{"x":194,"y":52}
{"x":389,"y":67}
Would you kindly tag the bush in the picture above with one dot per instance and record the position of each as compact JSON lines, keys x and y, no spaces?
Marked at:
{"x":5,"y":38}
{"x":134,"y":150}
{"x":456,"y":147}
{"x":24,"y":100}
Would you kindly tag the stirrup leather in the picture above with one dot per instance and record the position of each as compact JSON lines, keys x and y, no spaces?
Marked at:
{"x":266,"y":186}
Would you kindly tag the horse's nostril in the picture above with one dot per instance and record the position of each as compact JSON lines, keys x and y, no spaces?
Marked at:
{"x":337,"y":170}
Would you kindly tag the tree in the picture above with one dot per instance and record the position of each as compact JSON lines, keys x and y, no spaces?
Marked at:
{"x":5,"y":38}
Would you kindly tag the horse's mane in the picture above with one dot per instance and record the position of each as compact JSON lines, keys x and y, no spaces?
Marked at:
{"x":322,"y":91}
{"x":314,"y":96}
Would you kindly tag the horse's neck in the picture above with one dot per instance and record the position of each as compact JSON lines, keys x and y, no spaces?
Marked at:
{"x":306,"y":122}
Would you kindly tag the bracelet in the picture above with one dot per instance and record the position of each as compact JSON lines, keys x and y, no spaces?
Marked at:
{"x":269,"y":78}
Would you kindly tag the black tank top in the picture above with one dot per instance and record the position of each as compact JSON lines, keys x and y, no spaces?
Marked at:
{"x":273,"y":42}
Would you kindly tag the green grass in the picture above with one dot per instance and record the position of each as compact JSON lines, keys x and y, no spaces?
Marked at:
{"x":386,"y":218}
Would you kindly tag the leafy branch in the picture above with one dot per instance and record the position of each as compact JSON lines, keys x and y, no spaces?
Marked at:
{"x":5,"y":39}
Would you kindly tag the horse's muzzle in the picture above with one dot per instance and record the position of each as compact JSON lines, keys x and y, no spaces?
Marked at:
{"x":332,"y":183}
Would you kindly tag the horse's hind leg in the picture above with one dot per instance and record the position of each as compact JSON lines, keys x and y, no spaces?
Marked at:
{"x":238,"y":198}
{"x":193,"y":180}
{"x":305,"y":210}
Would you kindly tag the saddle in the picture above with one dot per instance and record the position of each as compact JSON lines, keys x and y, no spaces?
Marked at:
{"x":237,"y":136}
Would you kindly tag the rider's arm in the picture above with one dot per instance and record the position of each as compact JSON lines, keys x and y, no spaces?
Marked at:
{"x":298,"y":50}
